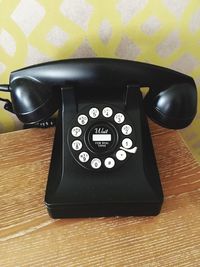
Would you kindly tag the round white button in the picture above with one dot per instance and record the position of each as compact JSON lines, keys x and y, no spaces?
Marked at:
{"x":126,"y":129}
{"x":82,"y":119}
{"x":119,"y":118}
{"x":76,"y":131}
{"x":121,"y":155}
{"x":127,"y":143}
{"x":96,"y":163}
{"x":84,"y":157}
{"x":77,"y":145}
{"x":107,"y":112}
{"x":109,"y":163}
{"x":94,"y":113}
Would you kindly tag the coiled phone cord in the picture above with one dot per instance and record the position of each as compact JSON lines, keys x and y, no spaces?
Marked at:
{"x":48,"y":123}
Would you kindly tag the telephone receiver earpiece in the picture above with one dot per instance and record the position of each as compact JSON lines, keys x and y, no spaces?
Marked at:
{"x":32,"y":100}
{"x":174,"y":107}
{"x":171,"y":100}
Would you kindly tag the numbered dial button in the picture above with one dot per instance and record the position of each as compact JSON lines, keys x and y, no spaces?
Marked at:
{"x":84,"y":157}
{"x":119,"y":118}
{"x":126,"y":129}
{"x":96,"y":163}
{"x":76,"y":131}
{"x":127,"y":143}
{"x":94,"y":113}
{"x":82,"y":119}
{"x":107,"y":112}
{"x":77,"y":145}
{"x":109,"y":163}
{"x":121,"y":155}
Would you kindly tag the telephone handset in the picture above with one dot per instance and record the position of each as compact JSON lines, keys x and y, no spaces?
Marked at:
{"x":103,"y":163}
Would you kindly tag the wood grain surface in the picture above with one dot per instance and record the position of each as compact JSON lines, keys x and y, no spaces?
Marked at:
{"x":28,"y":237}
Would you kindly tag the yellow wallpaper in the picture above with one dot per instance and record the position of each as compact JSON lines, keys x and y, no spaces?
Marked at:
{"x":163,"y":32}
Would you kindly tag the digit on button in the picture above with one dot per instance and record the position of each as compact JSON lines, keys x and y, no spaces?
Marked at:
{"x":84,"y":157}
{"x":121,"y":155}
{"x":77,"y":145}
{"x":119,"y":118}
{"x":107,"y":112}
{"x":94,"y":113}
{"x":82,"y":119}
{"x":76,"y":131}
{"x":127,"y":143}
{"x":96,"y":163}
{"x":109,"y":163}
{"x":126,"y":129}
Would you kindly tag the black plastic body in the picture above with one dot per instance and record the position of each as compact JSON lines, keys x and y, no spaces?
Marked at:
{"x":132,"y":189}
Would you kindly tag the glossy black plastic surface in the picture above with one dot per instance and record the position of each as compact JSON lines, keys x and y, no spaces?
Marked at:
{"x":132,"y":189}
{"x":69,"y":85}
{"x":32,"y":100}
{"x":171,"y":100}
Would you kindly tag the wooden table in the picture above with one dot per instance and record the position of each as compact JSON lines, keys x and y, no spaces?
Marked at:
{"x":28,"y":237}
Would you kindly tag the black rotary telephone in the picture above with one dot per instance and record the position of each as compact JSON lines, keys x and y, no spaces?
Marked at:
{"x":103,"y":162}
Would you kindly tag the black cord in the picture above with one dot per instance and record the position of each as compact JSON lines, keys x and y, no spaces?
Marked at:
{"x":8,"y":105}
{"x":4,"y":100}
{"x":4,"y":88}
{"x":50,"y":122}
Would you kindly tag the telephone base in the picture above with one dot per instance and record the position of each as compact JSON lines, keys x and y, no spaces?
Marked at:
{"x":106,"y":210}
{"x":131,"y":188}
